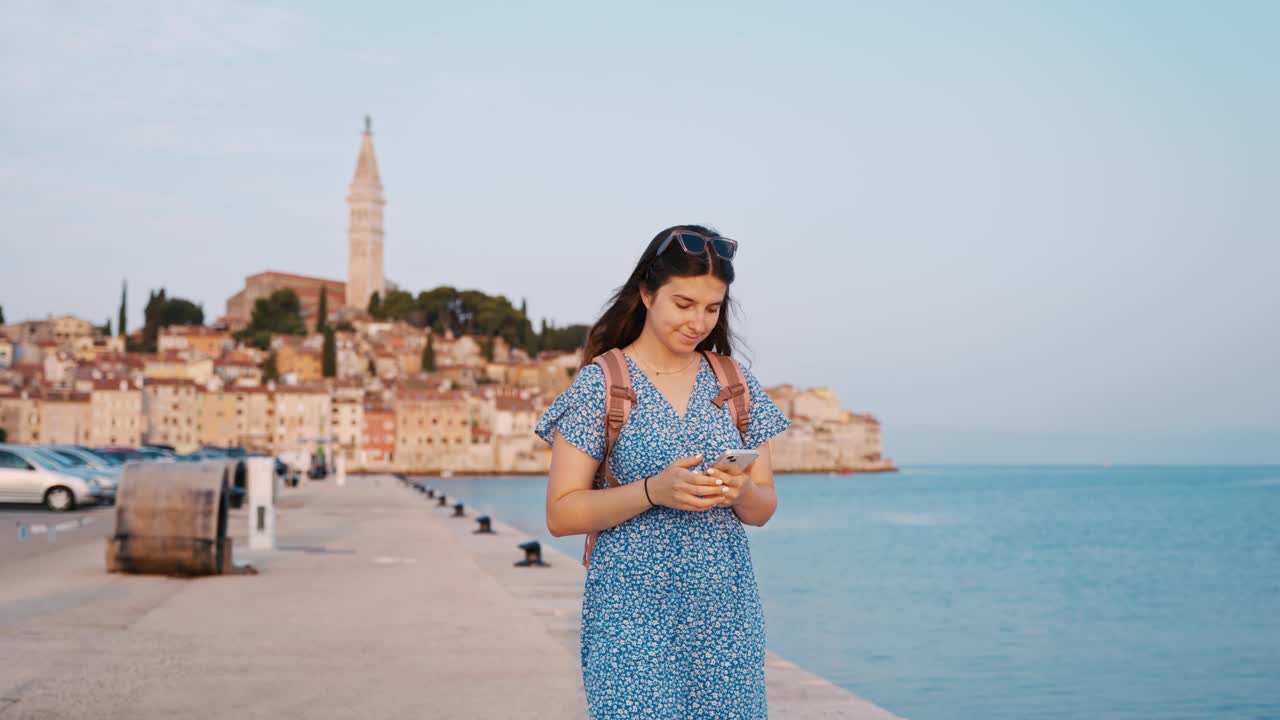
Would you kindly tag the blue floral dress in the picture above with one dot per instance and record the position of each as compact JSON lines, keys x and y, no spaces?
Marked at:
{"x":672,"y":625}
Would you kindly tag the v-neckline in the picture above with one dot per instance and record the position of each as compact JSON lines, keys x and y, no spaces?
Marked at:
{"x":692,"y":391}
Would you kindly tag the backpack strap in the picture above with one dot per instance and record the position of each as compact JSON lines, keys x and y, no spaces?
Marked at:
{"x":618,"y":400}
{"x":733,"y":389}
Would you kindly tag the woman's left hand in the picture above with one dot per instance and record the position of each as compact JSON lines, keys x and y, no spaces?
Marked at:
{"x":736,"y":485}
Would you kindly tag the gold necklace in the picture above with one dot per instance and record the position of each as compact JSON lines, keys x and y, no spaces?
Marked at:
{"x":673,"y":372}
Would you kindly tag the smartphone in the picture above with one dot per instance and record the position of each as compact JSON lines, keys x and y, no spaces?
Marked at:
{"x":735,"y":460}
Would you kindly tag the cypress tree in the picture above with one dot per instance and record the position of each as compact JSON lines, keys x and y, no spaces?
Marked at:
{"x":429,"y":356}
{"x":329,"y":356}
{"x":269,"y":370}
{"x":322,"y":315}
{"x":121,"y":319}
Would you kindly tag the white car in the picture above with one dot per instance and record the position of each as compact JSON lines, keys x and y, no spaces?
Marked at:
{"x":28,"y":477}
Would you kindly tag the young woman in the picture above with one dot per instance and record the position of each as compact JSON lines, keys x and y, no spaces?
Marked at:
{"x":672,"y":625}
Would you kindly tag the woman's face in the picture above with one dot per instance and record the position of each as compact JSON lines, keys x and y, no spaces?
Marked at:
{"x":683,"y":312}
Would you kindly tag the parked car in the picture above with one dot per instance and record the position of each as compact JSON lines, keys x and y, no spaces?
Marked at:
{"x":28,"y":476}
{"x":84,"y":462}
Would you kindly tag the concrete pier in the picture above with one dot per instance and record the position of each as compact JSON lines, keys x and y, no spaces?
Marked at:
{"x":375,"y":604}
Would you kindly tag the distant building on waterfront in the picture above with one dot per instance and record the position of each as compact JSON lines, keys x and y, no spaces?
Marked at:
{"x":364,"y":228}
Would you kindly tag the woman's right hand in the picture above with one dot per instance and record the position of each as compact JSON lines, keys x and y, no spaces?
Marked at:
{"x":680,"y":488}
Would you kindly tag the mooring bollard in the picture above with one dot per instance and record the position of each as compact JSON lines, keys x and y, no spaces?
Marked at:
{"x":532,"y":555}
{"x":485,"y":527}
{"x":457,"y":511}
{"x":431,"y":493}
{"x":443,"y":501}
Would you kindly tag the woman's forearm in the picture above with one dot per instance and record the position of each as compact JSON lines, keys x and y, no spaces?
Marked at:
{"x":587,"y":510}
{"x":756,"y":505}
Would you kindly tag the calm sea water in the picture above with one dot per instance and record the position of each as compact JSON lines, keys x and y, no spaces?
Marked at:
{"x":1057,"y":592}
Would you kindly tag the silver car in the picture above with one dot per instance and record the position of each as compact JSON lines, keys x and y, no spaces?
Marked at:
{"x":107,"y":475}
{"x":27,"y":475}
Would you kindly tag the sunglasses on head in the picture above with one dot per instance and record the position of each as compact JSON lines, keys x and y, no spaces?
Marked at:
{"x":696,"y":243}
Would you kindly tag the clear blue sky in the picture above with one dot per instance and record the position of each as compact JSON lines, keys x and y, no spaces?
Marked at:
{"x":1013,"y":231}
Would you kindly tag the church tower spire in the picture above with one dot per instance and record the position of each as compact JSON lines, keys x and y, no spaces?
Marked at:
{"x":364,"y":228}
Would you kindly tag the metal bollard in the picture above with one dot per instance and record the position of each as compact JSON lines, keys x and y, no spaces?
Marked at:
{"x":443,"y":501}
{"x":532,"y":555}
{"x":431,"y":492}
{"x":457,"y":511}
{"x":486,"y":528}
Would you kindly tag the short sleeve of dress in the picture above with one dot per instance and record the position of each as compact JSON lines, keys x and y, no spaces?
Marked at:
{"x":767,"y":419}
{"x":578,"y":413}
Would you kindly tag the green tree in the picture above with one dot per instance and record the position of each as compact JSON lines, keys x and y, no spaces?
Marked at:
{"x":399,"y":305}
{"x":105,"y":328}
{"x":1,"y":315}
{"x":373,"y":368}
{"x":163,"y":311}
{"x":121,"y":319}
{"x":565,"y":339}
{"x":322,"y":315}
{"x":269,"y":369}
{"x":429,"y":355}
{"x":329,"y":355}
{"x":375,"y":306}
{"x":280,"y":314}
{"x":486,"y":347}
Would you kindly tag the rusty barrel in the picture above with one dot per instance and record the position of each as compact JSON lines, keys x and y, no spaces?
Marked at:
{"x":171,"y":519}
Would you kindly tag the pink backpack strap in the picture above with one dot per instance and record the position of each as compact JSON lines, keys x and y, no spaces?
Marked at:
{"x":733,"y":390}
{"x":619,"y":399}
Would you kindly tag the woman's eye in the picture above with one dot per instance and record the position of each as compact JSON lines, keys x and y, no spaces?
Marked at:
{"x":684,"y":307}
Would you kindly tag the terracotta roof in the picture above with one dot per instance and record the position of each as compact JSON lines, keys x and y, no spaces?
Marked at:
{"x":113,"y":384}
{"x":512,"y":404}
{"x":292,"y":276}
{"x":404,"y":393}
{"x":307,"y":389}
{"x":191,"y":330}
{"x":52,"y":395}
{"x":171,"y":382}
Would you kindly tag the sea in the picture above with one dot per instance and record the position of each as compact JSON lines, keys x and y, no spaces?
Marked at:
{"x":990,"y":592}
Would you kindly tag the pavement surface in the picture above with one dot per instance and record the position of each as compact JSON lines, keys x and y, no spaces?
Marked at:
{"x":25,"y":529}
{"x":375,"y":604}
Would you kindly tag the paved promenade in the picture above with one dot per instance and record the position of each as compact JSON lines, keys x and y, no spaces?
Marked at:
{"x":376,"y":605}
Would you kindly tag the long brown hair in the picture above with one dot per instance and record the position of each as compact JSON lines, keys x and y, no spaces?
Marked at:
{"x":623,"y":319}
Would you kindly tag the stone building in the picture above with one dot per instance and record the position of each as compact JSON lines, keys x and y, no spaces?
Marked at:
{"x":303,"y":417}
{"x":115,"y":414}
{"x":171,"y":408}
{"x":193,"y":340}
{"x":433,"y":430}
{"x":65,"y":417}
{"x":19,"y":416}
{"x":261,"y":285}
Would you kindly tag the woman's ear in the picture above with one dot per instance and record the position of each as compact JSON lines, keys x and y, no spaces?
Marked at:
{"x":646,"y":298}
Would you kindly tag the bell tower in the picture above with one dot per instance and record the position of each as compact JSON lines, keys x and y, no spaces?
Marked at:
{"x":364,"y":226}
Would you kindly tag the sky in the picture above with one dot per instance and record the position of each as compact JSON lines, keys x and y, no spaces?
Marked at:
{"x":1014,"y":232}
